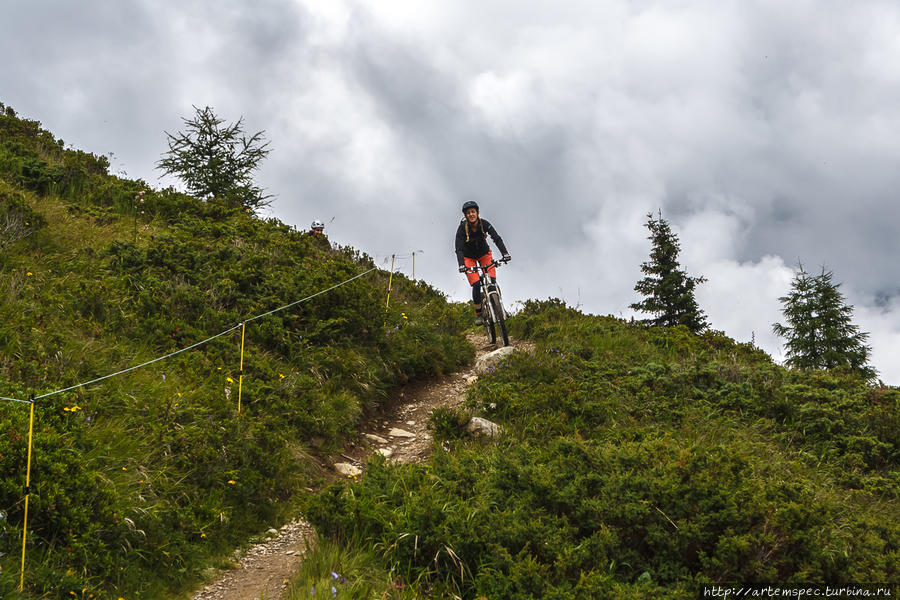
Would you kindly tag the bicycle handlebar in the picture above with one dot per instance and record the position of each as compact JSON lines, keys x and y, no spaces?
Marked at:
{"x":494,"y":263}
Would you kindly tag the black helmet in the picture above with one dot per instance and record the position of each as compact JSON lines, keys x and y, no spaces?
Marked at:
{"x":470,"y":204}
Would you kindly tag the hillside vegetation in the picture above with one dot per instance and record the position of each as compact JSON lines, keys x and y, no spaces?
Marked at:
{"x":142,"y":481}
{"x":635,"y":463}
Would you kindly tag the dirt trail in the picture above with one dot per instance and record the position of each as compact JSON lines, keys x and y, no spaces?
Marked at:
{"x":400,"y":434}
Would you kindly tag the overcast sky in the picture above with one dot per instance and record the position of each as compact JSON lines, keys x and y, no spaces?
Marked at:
{"x":766,"y":131}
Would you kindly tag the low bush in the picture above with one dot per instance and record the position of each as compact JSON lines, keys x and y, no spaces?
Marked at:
{"x":639,"y":463}
{"x":142,"y":481}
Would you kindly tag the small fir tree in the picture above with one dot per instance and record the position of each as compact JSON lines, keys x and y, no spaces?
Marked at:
{"x":819,"y":332}
{"x":216,"y":161}
{"x":668,"y":290}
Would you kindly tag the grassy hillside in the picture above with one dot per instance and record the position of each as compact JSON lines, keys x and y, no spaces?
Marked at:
{"x":143,"y":480}
{"x":635,"y":463}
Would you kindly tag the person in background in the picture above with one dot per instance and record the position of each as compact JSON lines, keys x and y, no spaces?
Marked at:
{"x":317,"y":228}
{"x":472,"y":248}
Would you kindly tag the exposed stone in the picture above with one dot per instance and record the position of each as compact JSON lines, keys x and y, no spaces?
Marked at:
{"x":471,"y":379}
{"x":397,"y":432}
{"x":347,"y":469}
{"x":479,"y":426}
{"x":385,"y":452}
{"x":375,"y":438}
{"x":492,"y":358}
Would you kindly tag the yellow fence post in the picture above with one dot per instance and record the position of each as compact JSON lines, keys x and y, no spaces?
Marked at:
{"x":390,"y":282}
{"x":241,"y":373}
{"x":27,"y":494}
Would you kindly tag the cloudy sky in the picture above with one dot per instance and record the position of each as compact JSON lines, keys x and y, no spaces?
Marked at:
{"x":766,"y":131}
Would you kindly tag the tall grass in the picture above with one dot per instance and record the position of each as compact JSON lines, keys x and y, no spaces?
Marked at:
{"x":330,"y":570}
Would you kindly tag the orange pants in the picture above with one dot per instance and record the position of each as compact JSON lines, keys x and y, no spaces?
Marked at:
{"x":484,"y":260}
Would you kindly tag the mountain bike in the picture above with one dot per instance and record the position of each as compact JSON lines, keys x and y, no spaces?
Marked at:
{"x":492,"y":312}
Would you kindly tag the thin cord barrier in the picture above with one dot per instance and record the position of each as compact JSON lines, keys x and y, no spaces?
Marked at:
{"x":266,"y":314}
{"x":149,"y":362}
{"x":200,"y":343}
{"x":15,"y":400}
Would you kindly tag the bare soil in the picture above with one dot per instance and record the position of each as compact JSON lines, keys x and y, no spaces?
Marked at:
{"x":400,"y":433}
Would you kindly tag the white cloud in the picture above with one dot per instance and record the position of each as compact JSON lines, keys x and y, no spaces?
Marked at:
{"x":742,"y":299}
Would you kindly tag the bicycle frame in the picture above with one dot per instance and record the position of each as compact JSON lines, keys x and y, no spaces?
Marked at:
{"x":492,"y":309}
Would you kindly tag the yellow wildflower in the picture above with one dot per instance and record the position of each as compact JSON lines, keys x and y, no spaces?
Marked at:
{"x":280,"y":376}
{"x":28,"y":274}
{"x":229,"y":380}
{"x":124,"y":468}
{"x":231,"y":482}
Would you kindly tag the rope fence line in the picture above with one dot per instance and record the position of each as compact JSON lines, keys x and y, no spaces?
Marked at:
{"x":200,"y":343}
{"x":134,"y":368}
{"x":15,"y":400}
{"x":242,"y":326}
{"x":286,"y":306}
{"x":192,"y":346}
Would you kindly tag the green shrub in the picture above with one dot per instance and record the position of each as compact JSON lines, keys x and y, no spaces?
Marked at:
{"x":639,"y":463}
{"x":141,"y":481}
{"x":448,"y":423}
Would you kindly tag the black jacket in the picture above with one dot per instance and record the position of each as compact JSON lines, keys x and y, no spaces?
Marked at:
{"x":476,"y":245}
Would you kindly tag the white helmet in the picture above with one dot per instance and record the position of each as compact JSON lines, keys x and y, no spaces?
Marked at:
{"x":317,"y":224}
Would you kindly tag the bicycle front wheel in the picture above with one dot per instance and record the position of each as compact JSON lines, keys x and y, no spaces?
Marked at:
{"x":501,"y":317}
{"x":488,"y":318}
{"x":489,"y":330}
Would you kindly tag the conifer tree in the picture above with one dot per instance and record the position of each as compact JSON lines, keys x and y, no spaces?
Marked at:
{"x":668,"y":290}
{"x":216,"y":161}
{"x":819,"y":332}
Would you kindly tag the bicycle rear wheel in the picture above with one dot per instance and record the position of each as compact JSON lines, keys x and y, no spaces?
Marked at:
{"x":501,"y":317}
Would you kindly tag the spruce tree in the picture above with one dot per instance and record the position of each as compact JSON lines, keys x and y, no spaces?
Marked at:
{"x":819,"y":332}
{"x":215,"y":160}
{"x":668,"y":290}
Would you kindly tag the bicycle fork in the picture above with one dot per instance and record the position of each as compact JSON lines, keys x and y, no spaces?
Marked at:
{"x":493,"y":291}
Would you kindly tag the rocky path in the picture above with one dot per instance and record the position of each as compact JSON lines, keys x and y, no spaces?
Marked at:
{"x":400,"y":434}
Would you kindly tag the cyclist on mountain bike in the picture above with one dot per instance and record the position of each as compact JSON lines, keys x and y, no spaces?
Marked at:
{"x":472,"y":248}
